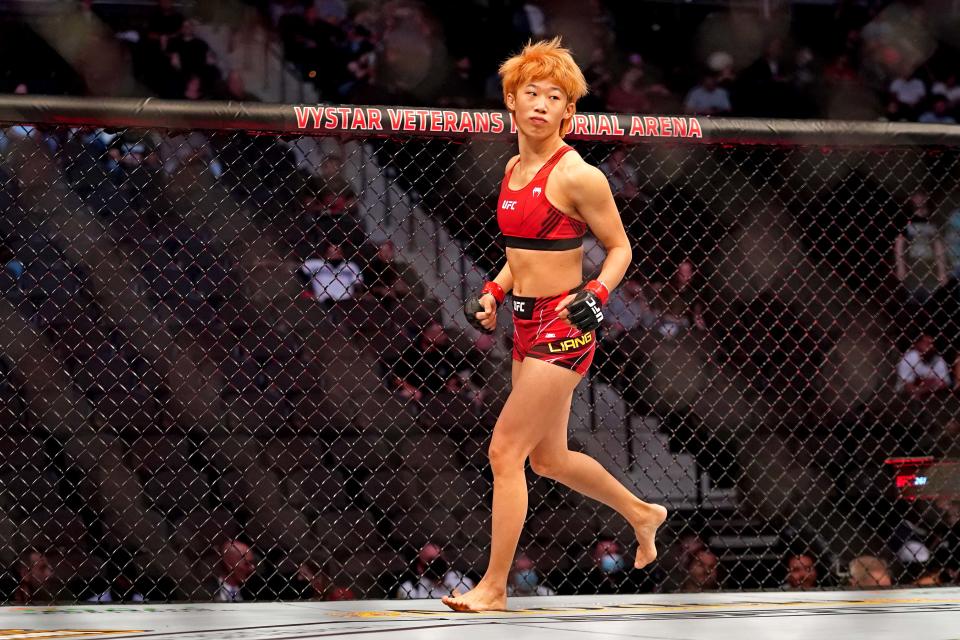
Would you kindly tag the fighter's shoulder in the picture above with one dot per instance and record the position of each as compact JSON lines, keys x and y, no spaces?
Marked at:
{"x":572,"y":169}
{"x":510,"y":163}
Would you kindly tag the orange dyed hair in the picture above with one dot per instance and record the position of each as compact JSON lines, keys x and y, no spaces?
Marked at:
{"x":545,"y":60}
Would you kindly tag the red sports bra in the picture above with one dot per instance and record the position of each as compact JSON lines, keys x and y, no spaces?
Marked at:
{"x":528,"y":220}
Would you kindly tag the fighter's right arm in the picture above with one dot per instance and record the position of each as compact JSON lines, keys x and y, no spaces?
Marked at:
{"x":505,"y":278}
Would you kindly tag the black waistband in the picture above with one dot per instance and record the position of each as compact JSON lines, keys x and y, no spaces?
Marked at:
{"x":522,"y":306}
{"x":543,"y":244}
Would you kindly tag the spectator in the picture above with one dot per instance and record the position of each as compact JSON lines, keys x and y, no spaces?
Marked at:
{"x":332,"y":182}
{"x":703,"y":572}
{"x":312,"y":583}
{"x":431,"y":364}
{"x":939,"y":113}
{"x":36,"y":578}
{"x":435,"y":578}
{"x":413,"y":57}
{"x":461,"y":90}
{"x":610,"y":571}
{"x":235,"y":567}
{"x":279,"y":9}
{"x":339,"y":594}
{"x":599,"y":79}
{"x":840,"y":71}
{"x":190,"y":54}
{"x":151,"y":62}
{"x":949,"y":89}
{"x":922,"y":371}
{"x":947,"y":550}
{"x":908,"y":90}
{"x":333,"y":277}
{"x":622,"y":174}
{"x":708,"y":98}
{"x":677,"y":302}
{"x":525,"y":580}
{"x":628,"y":95}
{"x":333,"y":11}
{"x":720,"y":64}
{"x":608,"y":555}
{"x":897,"y":112}
{"x":804,"y":75}
{"x":181,"y":150}
{"x":676,"y":559}
{"x":765,"y":84}
{"x":165,"y":20}
{"x":309,"y":40}
{"x":930,"y":577}
{"x":913,"y":553}
{"x":386,"y":278}
{"x":309,"y":582}
{"x":118,"y":587}
{"x":530,"y":21}
{"x":956,"y":382}
{"x":330,"y":204}
{"x":869,"y":572}
{"x":235,"y":88}
{"x":919,"y":252}
{"x":801,"y":571}
{"x":951,"y":240}
{"x":629,"y":309}
{"x":193,"y":88}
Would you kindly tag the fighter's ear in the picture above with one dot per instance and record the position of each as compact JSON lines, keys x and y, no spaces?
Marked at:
{"x":566,"y":123}
{"x":511,"y":101}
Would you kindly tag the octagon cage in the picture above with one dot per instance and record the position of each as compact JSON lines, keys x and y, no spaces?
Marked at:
{"x":232,"y":344}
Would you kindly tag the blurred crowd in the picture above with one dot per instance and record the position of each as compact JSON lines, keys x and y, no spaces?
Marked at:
{"x":875,"y":59}
{"x":239,"y":573}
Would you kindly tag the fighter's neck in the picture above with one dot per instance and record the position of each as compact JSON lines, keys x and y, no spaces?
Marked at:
{"x":537,"y":152}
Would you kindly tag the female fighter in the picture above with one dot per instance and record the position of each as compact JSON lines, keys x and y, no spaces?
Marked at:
{"x":548,"y":199}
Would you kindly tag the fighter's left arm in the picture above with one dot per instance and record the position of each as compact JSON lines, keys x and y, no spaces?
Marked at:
{"x":590,"y":194}
{"x":589,"y":191}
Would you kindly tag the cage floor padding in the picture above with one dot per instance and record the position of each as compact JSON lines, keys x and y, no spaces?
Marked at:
{"x":931,"y":614}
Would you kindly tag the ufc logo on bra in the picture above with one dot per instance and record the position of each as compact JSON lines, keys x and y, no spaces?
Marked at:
{"x":509,"y":205}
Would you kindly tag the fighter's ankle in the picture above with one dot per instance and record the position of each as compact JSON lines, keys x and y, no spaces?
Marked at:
{"x":492,"y":587}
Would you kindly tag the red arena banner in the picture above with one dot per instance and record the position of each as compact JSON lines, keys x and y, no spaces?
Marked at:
{"x":454,"y":122}
{"x":388,"y":121}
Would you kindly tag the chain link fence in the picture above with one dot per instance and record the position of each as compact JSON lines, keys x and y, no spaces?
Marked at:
{"x":235,"y":363}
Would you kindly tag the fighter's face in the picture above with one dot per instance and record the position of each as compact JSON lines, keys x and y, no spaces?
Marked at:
{"x":539,"y":108}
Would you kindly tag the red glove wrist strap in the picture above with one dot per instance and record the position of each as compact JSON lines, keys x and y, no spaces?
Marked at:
{"x":598,"y":288}
{"x":495,"y":290}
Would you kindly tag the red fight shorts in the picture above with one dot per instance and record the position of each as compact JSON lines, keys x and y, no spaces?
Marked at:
{"x":538,"y":332}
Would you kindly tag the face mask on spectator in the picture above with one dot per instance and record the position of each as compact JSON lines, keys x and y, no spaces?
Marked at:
{"x":611,"y":563}
{"x":526,"y":580}
{"x":15,"y":267}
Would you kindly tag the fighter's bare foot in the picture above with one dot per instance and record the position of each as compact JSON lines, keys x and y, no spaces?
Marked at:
{"x":648,"y":520}
{"x":480,"y":598}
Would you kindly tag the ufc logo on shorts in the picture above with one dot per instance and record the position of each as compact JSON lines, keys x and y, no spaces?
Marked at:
{"x":518,"y":306}
{"x":509,"y":205}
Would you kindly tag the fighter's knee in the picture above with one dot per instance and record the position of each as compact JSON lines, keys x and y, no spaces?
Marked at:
{"x":504,"y":456}
{"x":548,"y":466}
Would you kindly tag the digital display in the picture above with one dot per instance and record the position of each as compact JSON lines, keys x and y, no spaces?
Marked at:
{"x":925,"y":478}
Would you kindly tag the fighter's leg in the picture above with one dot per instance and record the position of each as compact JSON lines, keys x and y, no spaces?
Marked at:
{"x":540,"y":398}
{"x":552,"y":459}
